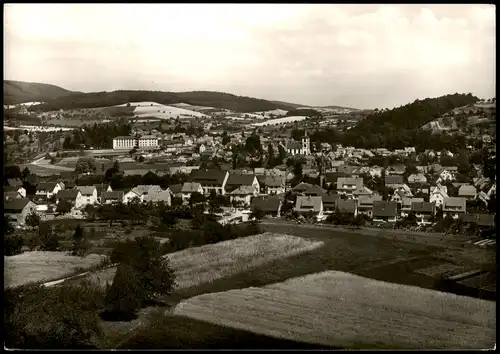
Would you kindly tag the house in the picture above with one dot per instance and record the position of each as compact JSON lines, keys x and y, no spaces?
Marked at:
{"x":307,"y":204}
{"x":102,"y":187}
{"x":467,"y":191}
{"x":398,"y":196}
{"x":156,"y":195}
{"x":424,"y":212}
{"x":270,"y":205}
{"x":274,"y":184}
{"x":417,"y":178}
{"x":11,"y":195}
{"x":347,"y":185}
{"x":89,"y":196}
{"x":49,"y":189}
{"x":364,"y":191}
{"x":446,"y":175}
{"x":237,"y":180}
{"x":315,"y":190}
{"x":18,"y":209}
{"x":406,"y":205}
{"x":188,"y":188}
{"x":112,"y":197}
{"x":131,"y":195}
{"x":349,"y":206}
{"x":437,"y":195}
{"x":395,"y":170}
{"x":301,"y":187}
{"x":454,"y":206}
{"x":16,"y":189}
{"x":259,"y":171}
{"x":385,"y":211}
{"x":243,"y":194}
{"x":330,"y":202}
{"x":140,"y":192}
{"x":14,"y":182}
{"x":210,"y":180}
{"x":376,"y":171}
{"x":479,"y":219}
{"x":365,"y":204}
{"x":72,"y":196}
{"x":176,"y":190}
{"x":394,"y":181}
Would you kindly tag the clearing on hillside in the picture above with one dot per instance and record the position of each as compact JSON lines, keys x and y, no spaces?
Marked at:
{"x":341,"y":309}
{"x":37,"y":266}
{"x":153,"y":109}
{"x":198,"y":265}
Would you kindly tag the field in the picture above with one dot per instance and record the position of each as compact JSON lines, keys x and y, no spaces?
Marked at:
{"x":284,"y":120}
{"x":43,"y":266}
{"x":205,"y":264}
{"x":73,"y":122}
{"x":153,"y":109}
{"x":341,"y":309}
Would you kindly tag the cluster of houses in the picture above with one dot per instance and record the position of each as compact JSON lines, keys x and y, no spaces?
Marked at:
{"x":341,"y":189}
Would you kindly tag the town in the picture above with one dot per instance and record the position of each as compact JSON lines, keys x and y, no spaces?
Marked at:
{"x":322,"y":195}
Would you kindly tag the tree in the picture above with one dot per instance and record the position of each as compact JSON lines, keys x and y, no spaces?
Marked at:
{"x":226,"y":139}
{"x":85,"y":165}
{"x":196,"y":198}
{"x":167,"y":218}
{"x":257,"y":214}
{"x":26,"y":172}
{"x":12,"y":243}
{"x":79,"y":243}
{"x":12,"y":171}
{"x":144,"y":275}
{"x":33,"y":219}
{"x":297,"y":169}
{"x":270,"y":156}
{"x":48,"y":239}
{"x":63,"y":207}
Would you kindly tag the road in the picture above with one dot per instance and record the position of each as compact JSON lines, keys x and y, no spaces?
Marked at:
{"x":42,"y":162}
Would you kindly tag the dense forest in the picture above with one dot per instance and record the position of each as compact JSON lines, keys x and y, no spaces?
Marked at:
{"x":15,"y":92}
{"x":398,"y":127}
{"x":197,"y":98}
{"x":97,"y":135}
{"x":305,"y":112}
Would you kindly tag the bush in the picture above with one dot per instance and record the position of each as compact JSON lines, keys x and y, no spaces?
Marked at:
{"x":59,"y":317}
{"x":48,"y":239}
{"x":12,"y":244}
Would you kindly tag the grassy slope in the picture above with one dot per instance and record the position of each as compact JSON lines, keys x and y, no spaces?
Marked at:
{"x":359,"y":254}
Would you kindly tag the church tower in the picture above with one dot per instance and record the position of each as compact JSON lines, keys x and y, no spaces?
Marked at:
{"x":306,"y":144}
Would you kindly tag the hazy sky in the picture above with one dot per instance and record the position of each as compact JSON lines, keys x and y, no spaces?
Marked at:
{"x":363,"y":56}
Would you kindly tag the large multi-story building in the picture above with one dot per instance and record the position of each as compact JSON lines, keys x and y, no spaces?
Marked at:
{"x":124,"y":142}
{"x":130,"y":142}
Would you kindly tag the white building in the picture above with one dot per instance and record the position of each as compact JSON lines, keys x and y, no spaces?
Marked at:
{"x":296,"y":148}
{"x":124,"y":142}
{"x":148,"y":142}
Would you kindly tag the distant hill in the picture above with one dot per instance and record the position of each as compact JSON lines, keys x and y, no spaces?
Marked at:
{"x":396,"y":126}
{"x":288,"y":104}
{"x":304,"y":112}
{"x":195,"y":98}
{"x":16,"y":92}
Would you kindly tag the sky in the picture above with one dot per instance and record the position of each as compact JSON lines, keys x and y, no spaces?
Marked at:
{"x":354,"y":55}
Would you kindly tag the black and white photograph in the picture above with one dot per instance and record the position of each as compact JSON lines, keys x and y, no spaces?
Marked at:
{"x":249,"y":176}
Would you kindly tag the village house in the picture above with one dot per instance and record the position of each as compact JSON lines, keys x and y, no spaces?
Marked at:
{"x":467,"y":191}
{"x":14,"y":182}
{"x":376,"y":171}
{"x":364,"y":191}
{"x":347,"y":206}
{"x":417,"y":178}
{"x":480,"y":220}
{"x":15,"y":189}
{"x":406,"y":205}
{"x":385,"y":211}
{"x":113,"y":197}
{"x":454,"y":206}
{"x":330,"y":202}
{"x":16,"y":195}
{"x":394,"y":182}
{"x":365,"y":204}
{"x":395,"y":170}
{"x":301,"y":187}
{"x":71,"y":196}
{"x":447,"y":174}
{"x":49,"y":189}
{"x":243,"y":194}
{"x":188,"y":188}
{"x":18,"y":209}
{"x":210,"y":180}
{"x":237,"y":180}
{"x":424,"y":212}
{"x":437,"y":195}
{"x":274,"y":184}
{"x":347,"y":185}
{"x":89,"y":195}
{"x":156,"y":195}
{"x":102,"y":187}
{"x":315,"y":191}
{"x":332,"y":177}
{"x":271,"y":205}
{"x":305,"y":205}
